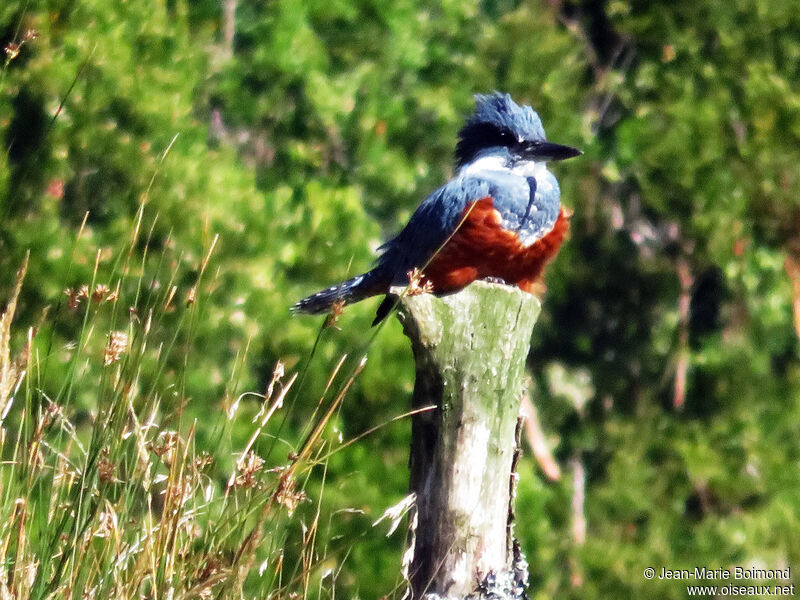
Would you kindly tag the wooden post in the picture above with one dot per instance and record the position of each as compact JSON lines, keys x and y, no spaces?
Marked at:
{"x":470,"y":350}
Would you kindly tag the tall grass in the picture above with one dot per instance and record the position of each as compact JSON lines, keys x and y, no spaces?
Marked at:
{"x":105,"y":491}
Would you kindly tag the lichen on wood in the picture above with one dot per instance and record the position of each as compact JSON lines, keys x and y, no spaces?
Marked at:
{"x":470,"y":350}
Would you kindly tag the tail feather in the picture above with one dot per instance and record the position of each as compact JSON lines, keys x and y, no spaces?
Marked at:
{"x":350,"y":291}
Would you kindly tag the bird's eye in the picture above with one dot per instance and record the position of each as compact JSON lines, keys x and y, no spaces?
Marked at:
{"x":506,"y":137}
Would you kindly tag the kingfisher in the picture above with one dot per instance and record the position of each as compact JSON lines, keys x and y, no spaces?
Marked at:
{"x":500,"y":218}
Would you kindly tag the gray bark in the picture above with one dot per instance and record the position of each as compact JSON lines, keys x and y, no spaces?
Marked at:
{"x":470,"y":350}
{"x":229,"y":24}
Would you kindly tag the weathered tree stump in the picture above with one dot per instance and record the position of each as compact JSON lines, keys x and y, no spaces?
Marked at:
{"x":470,"y":350}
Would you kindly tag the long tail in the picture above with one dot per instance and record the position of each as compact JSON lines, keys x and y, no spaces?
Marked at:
{"x":352,"y":290}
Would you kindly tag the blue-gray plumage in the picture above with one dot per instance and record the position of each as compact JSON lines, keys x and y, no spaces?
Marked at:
{"x":500,"y":217}
{"x":524,"y":209}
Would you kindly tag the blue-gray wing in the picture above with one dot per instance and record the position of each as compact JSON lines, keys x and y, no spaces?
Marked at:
{"x":524,"y":208}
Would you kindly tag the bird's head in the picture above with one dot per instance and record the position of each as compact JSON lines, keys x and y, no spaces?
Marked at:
{"x":501,"y":124}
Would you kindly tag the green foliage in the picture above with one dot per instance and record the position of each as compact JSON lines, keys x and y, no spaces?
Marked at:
{"x":313,"y":137}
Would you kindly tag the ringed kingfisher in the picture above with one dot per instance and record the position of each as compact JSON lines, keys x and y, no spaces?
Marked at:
{"x":500,"y":218}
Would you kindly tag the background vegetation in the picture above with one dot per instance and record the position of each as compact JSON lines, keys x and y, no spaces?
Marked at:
{"x":210,"y":163}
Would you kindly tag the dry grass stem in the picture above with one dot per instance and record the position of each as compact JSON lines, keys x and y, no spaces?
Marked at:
{"x":11,"y":370}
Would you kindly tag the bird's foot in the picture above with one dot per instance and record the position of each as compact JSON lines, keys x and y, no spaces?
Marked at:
{"x":499,"y":280}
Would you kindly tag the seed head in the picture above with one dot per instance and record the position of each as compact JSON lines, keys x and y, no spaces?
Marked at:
{"x":248,"y":468}
{"x":288,"y":495}
{"x":116,"y":347}
{"x":337,"y":308}
{"x":12,"y":51}
{"x":105,"y":470}
{"x":416,"y":286}
{"x":73,"y":298}
{"x":100,"y":292}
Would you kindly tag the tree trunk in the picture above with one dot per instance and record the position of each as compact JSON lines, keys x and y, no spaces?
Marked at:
{"x":470,"y":350}
{"x":229,"y":24}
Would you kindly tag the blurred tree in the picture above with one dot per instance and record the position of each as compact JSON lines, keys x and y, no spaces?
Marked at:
{"x":314,"y":135}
